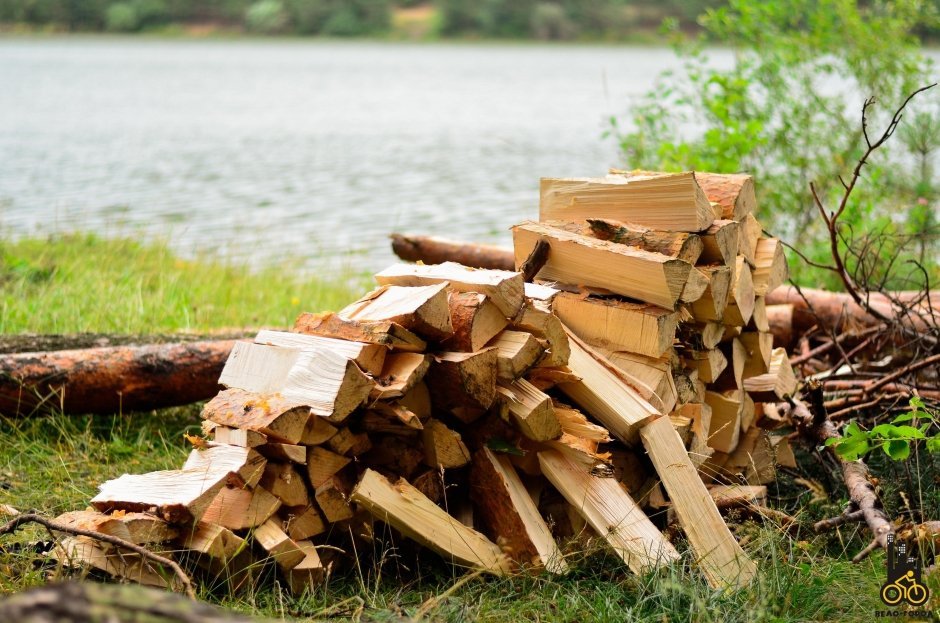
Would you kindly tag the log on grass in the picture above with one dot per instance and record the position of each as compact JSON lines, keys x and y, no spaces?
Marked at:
{"x":111,"y":379}
{"x":434,"y":250}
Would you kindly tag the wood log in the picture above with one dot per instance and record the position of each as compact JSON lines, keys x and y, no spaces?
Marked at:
{"x":309,"y":573}
{"x":604,"y":394}
{"x":476,"y":320}
{"x":651,"y":377}
{"x":317,"y":431}
{"x":329,"y":383}
{"x":722,"y":560}
{"x":370,"y":357}
{"x":672,"y":202}
{"x":581,"y":260}
{"x":280,"y":547}
{"x":741,"y":297}
{"x":284,"y":482}
{"x":302,"y":522}
{"x":780,"y":324}
{"x":418,"y":401}
{"x":84,"y":551}
{"x":516,"y":352}
{"x":709,"y":363}
{"x":391,"y":417}
{"x":711,"y":305}
{"x":383,"y":333}
{"x":537,"y":318}
{"x":240,"y":508}
{"x":333,"y":499}
{"x":610,"y":511}
{"x":734,"y":192}
{"x":618,"y":325}
{"x":778,"y":384}
{"x":434,"y":250}
{"x":111,"y":379}
{"x":293,"y":453}
{"x":509,"y":513}
{"x":396,"y":455}
{"x":139,"y":528}
{"x":421,"y":309}
{"x":504,"y":288}
{"x":725,"y":426}
{"x":770,"y":266}
{"x":271,"y":415}
{"x":401,"y":372}
{"x":443,"y":447}
{"x":758,"y":347}
{"x":695,"y":286}
{"x":529,"y":409}
{"x":720,"y":243}
{"x":464,"y":383}
{"x":576,"y":424}
{"x":759,"y":319}
{"x":245,"y":464}
{"x":243,"y":437}
{"x":751,"y":231}
{"x":680,"y":245}
{"x":211,"y":540}
{"x":322,"y":464}
{"x":411,"y":513}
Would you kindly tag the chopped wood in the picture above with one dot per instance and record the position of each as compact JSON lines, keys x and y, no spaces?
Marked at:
{"x":271,"y":415}
{"x":758,"y":347}
{"x":283,"y":549}
{"x":668,"y":202}
{"x":348,"y":443}
{"x":211,"y":540}
{"x":333,"y":499}
{"x":578,"y":259}
{"x":709,"y":363}
{"x":330,"y":384}
{"x":651,"y":377}
{"x":680,"y":245}
{"x":538,"y":319}
{"x":778,"y":383}
{"x":734,"y":192}
{"x":383,"y":333}
{"x":302,"y":522}
{"x":701,"y":335}
{"x":417,"y":401}
{"x":783,"y":451}
{"x":476,"y":320}
{"x":720,"y":243}
{"x":82,"y":550}
{"x":317,"y":431}
{"x":391,"y":417}
{"x":726,"y":412}
{"x":397,"y":455}
{"x":530,"y":410}
{"x":753,"y":459}
{"x":618,"y":325}
{"x":516,"y":352}
{"x":510,"y":514}
{"x":695,"y":286}
{"x":285,"y":482}
{"x":770,"y":266}
{"x":323,"y":464}
{"x":244,"y":437}
{"x":604,"y":394}
{"x":421,"y":309}
{"x":741,"y":298}
{"x":759,"y":318}
{"x":443,"y":447}
{"x":722,"y":560}
{"x":238,"y":508}
{"x":245,"y":464}
{"x":750,"y":233}
{"x":177,"y":496}
{"x":309,"y":573}
{"x":139,"y":528}
{"x":431,"y":484}
{"x":407,"y":510}
{"x":504,"y":288}
{"x":712,"y":303}
{"x":609,"y":509}
{"x":464,"y":383}
{"x":370,"y":357}
{"x":546,"y":378}
{"x":435,"y":250}
{"x":727,"y":495}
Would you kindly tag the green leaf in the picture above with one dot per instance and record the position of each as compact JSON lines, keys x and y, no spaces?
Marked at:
{"x":833,"y":441}
{"x":884,"y":430}
{"x":497,"y":444}
{"x":904,"y":417}
{"x":933,"y":444}
{"x":916,"y":402}
{"x":853,"y":447}
{"x":897,"y":449}
{"x":907,"y":432}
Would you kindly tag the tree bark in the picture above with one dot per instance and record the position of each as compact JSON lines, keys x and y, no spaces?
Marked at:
{"x":433,"y":250}
{"x":111,"y":379}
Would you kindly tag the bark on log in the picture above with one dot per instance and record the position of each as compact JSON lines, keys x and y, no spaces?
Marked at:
{"x":433,"y":250}
{"x":111,"y":379}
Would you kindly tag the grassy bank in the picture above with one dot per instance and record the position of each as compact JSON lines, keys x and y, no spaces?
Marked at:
{"x":55,"y":463}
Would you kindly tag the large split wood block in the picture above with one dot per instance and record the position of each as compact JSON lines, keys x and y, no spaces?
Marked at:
{"x":741,"y":299}
{"x":529,"y":409}
{"x":581,"y":260}
{"x":650,"y":376}
{"x":246,"y":464}
{"x":139,"y":528}
{"x":727,"y":410}
{"x":672,"y":202}
{"x":680,"y":245}
{"x":777,"y":384}
{"x":770,"y":266}
{"x":516,"y":352}
{"x":240,"y":508}
{"x":464,"y":383}
{"x":272,"y":415}
{"x":710,"y":306}
{"x":537,"y":318}
{"x":443,"y":447}
{"x":285,"y":482}
{"x":421,"y":309}
{"x":382,"y":333}
{"x":370,"y":357}
{"x":720,"y":243}
{"x":476,"y":320}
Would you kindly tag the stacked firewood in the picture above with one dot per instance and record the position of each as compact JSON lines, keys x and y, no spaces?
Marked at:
{"x":489,"y":419}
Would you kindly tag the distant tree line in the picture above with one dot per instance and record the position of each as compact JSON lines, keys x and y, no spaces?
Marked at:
{"x":542,"y":19}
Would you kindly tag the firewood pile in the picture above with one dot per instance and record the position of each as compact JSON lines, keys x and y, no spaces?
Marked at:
{"x":630,"y":383}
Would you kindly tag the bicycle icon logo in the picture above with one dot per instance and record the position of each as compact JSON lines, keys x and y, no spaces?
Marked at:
{"x":903,"y":577}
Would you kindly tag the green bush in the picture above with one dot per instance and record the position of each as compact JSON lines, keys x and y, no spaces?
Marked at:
{"x":266,"y":17}
{"x":788,"y":112}
{"x":122,"y":17}
{"x":550,"y":21}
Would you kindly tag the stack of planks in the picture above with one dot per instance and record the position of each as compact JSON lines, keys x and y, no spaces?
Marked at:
{"x":492,"y":421}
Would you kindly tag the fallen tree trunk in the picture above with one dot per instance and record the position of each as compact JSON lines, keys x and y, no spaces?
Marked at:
{"x":111,"y":379}
{"x":433,"y":250}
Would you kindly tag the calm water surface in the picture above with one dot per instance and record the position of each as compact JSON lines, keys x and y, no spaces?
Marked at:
{"x":308,"y":148}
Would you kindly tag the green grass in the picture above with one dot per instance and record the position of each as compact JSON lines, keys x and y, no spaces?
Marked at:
{"x":52,"y":464}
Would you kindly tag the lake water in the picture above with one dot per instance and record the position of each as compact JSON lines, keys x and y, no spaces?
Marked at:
{"x":314,"y":149}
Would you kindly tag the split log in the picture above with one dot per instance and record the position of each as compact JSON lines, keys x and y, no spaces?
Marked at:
{"x":680,"y":245}
{"x":610,"y":511}
{"x":434,"y":250}
{"x":741,"y":298}
{"x":476,"y":320}
{"x":720,"y":243}
{"x":245,"y":464}
{"x":464,"y":383}
{"x":370,"y":357}
{"x":139,"y":528}
{"x":711,"y":305}
{"x":401,"y":372}
{"x":580,"y":260}
{"x":722,"y":560}
{"x":618,"y":325}
{"x":770,"y":266}
{"x":778,"y":383}
{"x":516,"y":352}
{"x":383,"y":333}
{"x":421,"y":309}
{"x":111,"y":379}
{"x":750,"y":235}
{"x":285,"y":482}
{"x":411,"y":513}
{"x":650,"y":376}
{"x":727,"y":409}
{"x":510,"y":514}
{"x":443,"y":447}
{"x":306,"y":575}
{"x":238,"y":508}
{"x":695,"y":286}
{"x":271,"y":415}
{"x":504,"y":288}
{"x":280,"y":547}
{"x":530,"y":410}
{"x":668,"y":202}
{"x":537,"y":319}
{"x":322,"y":464}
